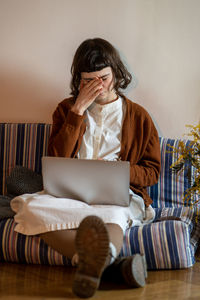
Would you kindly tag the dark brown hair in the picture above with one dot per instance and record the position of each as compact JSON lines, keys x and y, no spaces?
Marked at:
{"x":94,"y":55}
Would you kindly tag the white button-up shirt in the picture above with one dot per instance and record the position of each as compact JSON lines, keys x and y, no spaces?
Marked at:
{"x":102,"y":138}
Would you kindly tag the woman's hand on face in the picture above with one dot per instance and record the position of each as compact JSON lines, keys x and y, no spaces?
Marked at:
{"x":88,"y":93}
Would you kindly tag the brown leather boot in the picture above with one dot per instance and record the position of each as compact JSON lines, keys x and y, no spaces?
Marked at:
{"x":92,"y":245}
{"x":130,"y":270}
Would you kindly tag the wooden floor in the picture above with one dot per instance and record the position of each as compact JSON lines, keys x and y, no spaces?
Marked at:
{"x":33,"y":282}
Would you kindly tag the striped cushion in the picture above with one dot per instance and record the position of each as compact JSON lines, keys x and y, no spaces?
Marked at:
{"x":165,"y":244}
{"x":16,"y":247}
{"x":190,"y":216}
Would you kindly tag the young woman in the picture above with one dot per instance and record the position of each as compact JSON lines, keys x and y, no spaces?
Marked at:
{"x":97,"y":122}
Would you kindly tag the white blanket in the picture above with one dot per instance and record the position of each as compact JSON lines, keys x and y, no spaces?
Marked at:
{"x":38,"y":213}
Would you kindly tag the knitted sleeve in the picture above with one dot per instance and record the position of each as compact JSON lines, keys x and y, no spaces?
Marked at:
{"x":145,"y":165}
{"x":65,"y":131}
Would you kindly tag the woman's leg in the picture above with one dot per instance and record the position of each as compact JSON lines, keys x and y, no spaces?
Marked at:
{"x":93,"y":240}
{"x":63,"y":241}
{"x":116,"y":236}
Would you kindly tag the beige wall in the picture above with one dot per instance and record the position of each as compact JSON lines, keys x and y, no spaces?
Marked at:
{"x":158,"y":39}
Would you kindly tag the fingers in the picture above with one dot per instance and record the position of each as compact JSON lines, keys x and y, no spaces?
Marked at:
{"x":92,"y":84}
{"x":95,"y":92}
{"x":87,"y":94}
{"x":96,"y":86}
{"x":92,"y":88}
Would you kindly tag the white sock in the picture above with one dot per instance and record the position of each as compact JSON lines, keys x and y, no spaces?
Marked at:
{"x":75,"y":260}
{"x":113,"y":255}
{"x":113,"y":252}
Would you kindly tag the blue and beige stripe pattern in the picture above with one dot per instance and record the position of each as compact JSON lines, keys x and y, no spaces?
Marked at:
{"x":169,"y":191}
{"x":16,"y":247}
{"x":21,"y":144}
{"x":167,"y":244}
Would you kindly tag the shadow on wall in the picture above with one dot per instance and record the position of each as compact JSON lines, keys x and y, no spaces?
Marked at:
{"x":26,"y":97}
{"x":147,"y":99}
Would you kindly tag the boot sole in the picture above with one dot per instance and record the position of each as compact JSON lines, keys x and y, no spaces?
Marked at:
{"x":92,"y":245}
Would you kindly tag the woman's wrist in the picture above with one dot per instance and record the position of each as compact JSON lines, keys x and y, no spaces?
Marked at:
{"x":77,"y":110}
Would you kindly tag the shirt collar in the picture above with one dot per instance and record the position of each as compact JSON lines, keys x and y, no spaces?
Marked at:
{"x":96,"y":108}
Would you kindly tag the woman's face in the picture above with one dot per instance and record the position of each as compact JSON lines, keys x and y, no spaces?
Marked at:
{"x":107,"y":94}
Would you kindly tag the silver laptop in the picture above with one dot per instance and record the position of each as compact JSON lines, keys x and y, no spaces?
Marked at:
{"x":91,"y":181}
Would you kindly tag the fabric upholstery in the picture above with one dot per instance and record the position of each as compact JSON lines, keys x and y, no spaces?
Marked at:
{"x":167,"y":244}
{"x":23,"y":145}
{"x":169,"y":191}
{"x":16,"y":247}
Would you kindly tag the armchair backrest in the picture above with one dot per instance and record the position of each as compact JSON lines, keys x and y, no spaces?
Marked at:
{"x":171,"y":187}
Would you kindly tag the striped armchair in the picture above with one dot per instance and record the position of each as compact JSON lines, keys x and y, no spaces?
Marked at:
{"x":168,"y":244}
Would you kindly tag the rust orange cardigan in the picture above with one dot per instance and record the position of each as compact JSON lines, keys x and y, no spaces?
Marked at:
{"x":139,"y":145}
